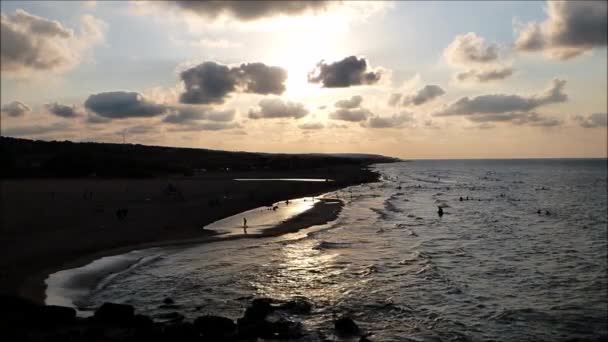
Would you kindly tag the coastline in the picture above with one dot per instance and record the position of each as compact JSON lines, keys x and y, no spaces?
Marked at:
{"x":30,"y":281}
{"x":322,"y":212}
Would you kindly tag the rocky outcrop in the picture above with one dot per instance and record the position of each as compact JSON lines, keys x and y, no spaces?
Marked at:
{"x":264,"y":318}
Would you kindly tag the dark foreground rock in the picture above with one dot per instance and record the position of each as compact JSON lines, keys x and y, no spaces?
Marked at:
{"x":21,"y":320}
{"x":115,"y":314}
{"x":345,"y":326}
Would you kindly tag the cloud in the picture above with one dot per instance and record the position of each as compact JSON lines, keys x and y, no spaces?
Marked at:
{"x":277,"y":108}
{"x":311,"y":126}
{"x":15,"y":109}
{"x":34,"y":130}
{"x":483,"y":76}
{"x":470,"y":49}
{"x":352,"y":115}
{"x":62,"y":110}
{"x":395,"y":121}
{"x":205,"y":126}
{"x":525,"y":118}
{"x":394,"y":99}
{"x":351,"y":71}
{"x":252,"y":10}
{"x":424,"y":95}
{"x":94,"y":119}
{"x":123,"y":104}
{"x":480,"y":60}
{"x":211,"y":82}
{"x":572,"y":27}
{"x":141,"y":129}
{"x":188,"y":114}
{"x":594,"y":120}
{"x":350,"y":110}
{"x":501,"y":103}
{"x":33,"y":43}
{"x":353,"y":102}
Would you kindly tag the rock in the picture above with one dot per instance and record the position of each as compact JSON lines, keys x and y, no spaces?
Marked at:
{"x":345,"y":326}
{"x":215,"y":327}
{"x":142,"y":322}
{"x":364,"y":339}
{"x":116,"y":314}
{"x":53,"y":316}
{"x":168,"y":301}
{"x":180,"y":332}
{"x":297,"y":305}
{"x":283,"y":329}
{"x":259,"y":309}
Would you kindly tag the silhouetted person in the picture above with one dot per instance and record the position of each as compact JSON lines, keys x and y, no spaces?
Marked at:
{"x":440,"y":211}
{"x":460,"y":198}
{"x":245,"y":225}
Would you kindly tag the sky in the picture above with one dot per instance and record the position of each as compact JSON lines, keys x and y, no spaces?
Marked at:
{"x":415,"y":80}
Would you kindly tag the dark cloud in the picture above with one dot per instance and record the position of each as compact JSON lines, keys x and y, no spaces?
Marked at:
{"x":594,"y":120}
{"x":15,"y":109}
{"x":311,"y":126}
{"x":30,"y":42}
{"x":35,"y":130}
{"x":122,"y":104}
{"x":351,"y":71}
{"x":395,"y":121}
{"x":572,"y":28}
{"x":525,"y":118}
{"x":252,"y":10}
{"x":62,"y":110}
{"x":483,"y":76}
{"x":188,"y":114}
{"x":277,"y":108}
{"x":501,"y":103}
{"x":424,"y":95}
{"x":352,"y":115}
{"x":353,"y":102}
{"x":211,"y":82}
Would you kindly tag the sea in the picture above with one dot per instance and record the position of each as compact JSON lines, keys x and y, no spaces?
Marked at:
{"x":519,"y":254}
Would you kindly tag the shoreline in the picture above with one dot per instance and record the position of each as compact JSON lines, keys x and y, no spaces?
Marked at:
{"x":322,"y":212}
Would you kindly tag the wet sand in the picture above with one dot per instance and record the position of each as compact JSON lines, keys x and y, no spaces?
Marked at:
{"x":48,"y":224}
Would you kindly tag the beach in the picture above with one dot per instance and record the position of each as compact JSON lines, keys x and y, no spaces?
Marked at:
{"x":53,"y":224}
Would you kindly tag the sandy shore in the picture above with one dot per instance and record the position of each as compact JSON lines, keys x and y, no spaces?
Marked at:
{"x":49,"y":224}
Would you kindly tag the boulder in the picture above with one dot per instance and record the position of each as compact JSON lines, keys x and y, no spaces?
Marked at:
{"x":259,"y":309}
{"x":345,"y":326}
{"x":115,"y":314}
{"x":215,"y":327}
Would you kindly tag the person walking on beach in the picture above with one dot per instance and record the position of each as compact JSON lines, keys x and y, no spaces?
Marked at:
{"x":245,"y":225}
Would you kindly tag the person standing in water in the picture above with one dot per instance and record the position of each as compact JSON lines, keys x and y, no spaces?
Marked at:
{"x":245,"y":225}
